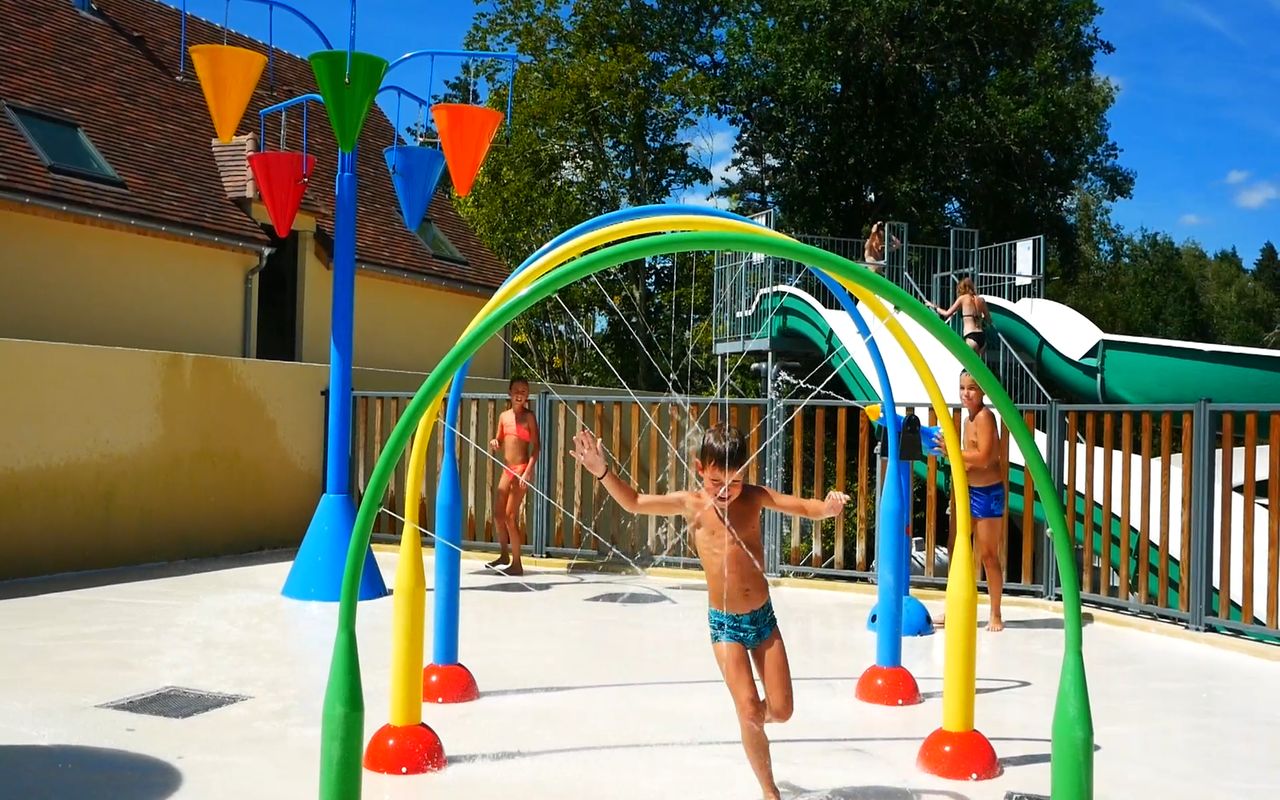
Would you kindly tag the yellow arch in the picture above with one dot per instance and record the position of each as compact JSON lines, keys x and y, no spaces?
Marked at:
{"x":961,"y":604}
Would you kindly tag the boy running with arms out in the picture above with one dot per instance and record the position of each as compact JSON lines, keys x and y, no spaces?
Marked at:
{"x":724,"y":517}
{"x":980,"y":449}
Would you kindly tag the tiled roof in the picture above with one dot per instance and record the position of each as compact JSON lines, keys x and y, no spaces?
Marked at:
{"x":115,"y":74}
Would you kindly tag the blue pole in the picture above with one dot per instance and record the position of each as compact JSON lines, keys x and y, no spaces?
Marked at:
{"x":317,"y":569}
{"x":444,"y":649}
{"x":891,"y":551}
{"x":337,"y":473}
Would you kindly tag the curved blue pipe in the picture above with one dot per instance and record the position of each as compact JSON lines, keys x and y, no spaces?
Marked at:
{"x":449,"y":522}
{"x":305,"y":19}
{"x":892,"y":554}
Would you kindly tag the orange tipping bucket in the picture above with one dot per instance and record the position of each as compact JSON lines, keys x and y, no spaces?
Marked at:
{"x":228,"y":75}
{"x":466,"y":131}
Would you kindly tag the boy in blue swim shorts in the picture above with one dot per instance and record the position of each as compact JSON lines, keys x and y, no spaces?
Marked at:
{"x":980,"y":443}
{"x":723,"y":516}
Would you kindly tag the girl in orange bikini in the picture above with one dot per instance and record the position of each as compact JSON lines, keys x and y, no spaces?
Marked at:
{"x":517,"y":439}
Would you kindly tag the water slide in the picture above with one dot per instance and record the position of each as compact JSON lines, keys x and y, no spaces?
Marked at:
{"x":800,"y":317}
{"x":1088,"y":366}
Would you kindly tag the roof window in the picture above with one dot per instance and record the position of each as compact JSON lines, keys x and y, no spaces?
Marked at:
{"x":63,"y":146}
{"x":438,"y":243}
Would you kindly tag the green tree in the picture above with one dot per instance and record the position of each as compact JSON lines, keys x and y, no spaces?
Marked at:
{"x":932,"y":111}
{"x":1241,"y":310}
{"x":1266,"y":269}
{"x":602,"y":107}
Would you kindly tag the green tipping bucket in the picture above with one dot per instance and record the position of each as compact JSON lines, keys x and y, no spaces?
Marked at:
{"x":347,"y":100}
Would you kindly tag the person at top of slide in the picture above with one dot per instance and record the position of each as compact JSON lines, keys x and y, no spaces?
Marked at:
{"x":873,"y":251}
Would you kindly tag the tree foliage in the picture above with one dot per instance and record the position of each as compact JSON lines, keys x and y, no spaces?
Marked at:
{"x":601,"y":110}
{"x":938,"y":112}
{"x":1145,"y":284}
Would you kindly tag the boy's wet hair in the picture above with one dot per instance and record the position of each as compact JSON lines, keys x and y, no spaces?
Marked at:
{"x":724,"y":447}
{"x":965,"y":373}
{"x":517,"y":381}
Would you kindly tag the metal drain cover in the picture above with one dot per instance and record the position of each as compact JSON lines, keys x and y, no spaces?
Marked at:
{"x":630,"y":598}
{"x":174,"y":702}
{"x":1024,"y":796}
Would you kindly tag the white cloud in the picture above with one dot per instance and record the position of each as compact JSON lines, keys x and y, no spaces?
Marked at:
{"x":1203,"y":16}
{"x":1238,"y":175}
{"x":1190,"y":219}
{"x":1257,"y":195}
{"x":704,"y":200}
{"x":723,"y":171}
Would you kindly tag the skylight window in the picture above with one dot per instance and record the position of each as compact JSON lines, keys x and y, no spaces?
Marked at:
{"x":63,"y":146}
{"x":438,"y":243}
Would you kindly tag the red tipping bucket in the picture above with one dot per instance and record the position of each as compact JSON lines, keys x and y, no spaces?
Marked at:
{"x":466,"y":132}
{"x":282,"y":178}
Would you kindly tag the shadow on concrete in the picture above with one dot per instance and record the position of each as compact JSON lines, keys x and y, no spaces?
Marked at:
{"x":792,"y":792}
{"x":1005,"y":684}
{"x":70,"y":581}
{"x":72,"y":772}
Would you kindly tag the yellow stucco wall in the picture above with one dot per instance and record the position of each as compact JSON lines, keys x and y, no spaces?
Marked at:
{"x":398,"y":325}
{"x":134,"y":432}
{"x":65,"y":281}
{"x":115,"y":456}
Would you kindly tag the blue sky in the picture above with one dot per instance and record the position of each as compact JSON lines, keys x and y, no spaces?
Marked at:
{"x":1198,"y":116}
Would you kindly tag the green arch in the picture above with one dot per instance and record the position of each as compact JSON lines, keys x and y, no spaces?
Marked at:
{"x":341,"y":746}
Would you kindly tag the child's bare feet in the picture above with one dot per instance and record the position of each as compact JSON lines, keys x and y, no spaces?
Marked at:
{"x":514,"y":569}
{"x":995,"y":624}
{"x":772,"y":794}
{"x":499,"y":562}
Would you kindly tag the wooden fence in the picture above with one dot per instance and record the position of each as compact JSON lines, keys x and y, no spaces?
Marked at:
{"x":1152,"y":495}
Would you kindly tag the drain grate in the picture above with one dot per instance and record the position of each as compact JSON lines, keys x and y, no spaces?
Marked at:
{"x":174,"y":702}
{"x":628,"y":598}
{"x":1024,"y":796}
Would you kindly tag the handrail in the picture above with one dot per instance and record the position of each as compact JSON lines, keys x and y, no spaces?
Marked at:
{"x":281,"y":106}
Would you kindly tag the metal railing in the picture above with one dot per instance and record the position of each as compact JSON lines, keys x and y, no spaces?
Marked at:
{"x":1174,"y":510}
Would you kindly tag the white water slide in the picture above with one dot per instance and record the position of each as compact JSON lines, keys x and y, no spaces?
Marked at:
{"x":1070,"y":336}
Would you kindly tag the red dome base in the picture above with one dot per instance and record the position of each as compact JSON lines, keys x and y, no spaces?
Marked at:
{"x":960,"y":756}
{"x":888,"y":686}
{"x":404,"y":750}
{"x":448,"y":683}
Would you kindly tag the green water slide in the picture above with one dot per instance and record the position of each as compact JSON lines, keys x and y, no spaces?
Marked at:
{"x":799,"y":322}
{"x":1128,"y":369}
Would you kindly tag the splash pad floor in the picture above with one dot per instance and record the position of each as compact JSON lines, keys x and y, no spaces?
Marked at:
{"x":593,"y":686}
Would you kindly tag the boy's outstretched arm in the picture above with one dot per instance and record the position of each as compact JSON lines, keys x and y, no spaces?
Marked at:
{"x":589,"y":452}
{"x":789,"y":504}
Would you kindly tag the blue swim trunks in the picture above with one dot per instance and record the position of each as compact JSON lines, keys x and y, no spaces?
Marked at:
{"x":749,"y":629}
{"x":986,"y":502}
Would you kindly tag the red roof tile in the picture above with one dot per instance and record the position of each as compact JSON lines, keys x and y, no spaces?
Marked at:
{"x":116,"y":75}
